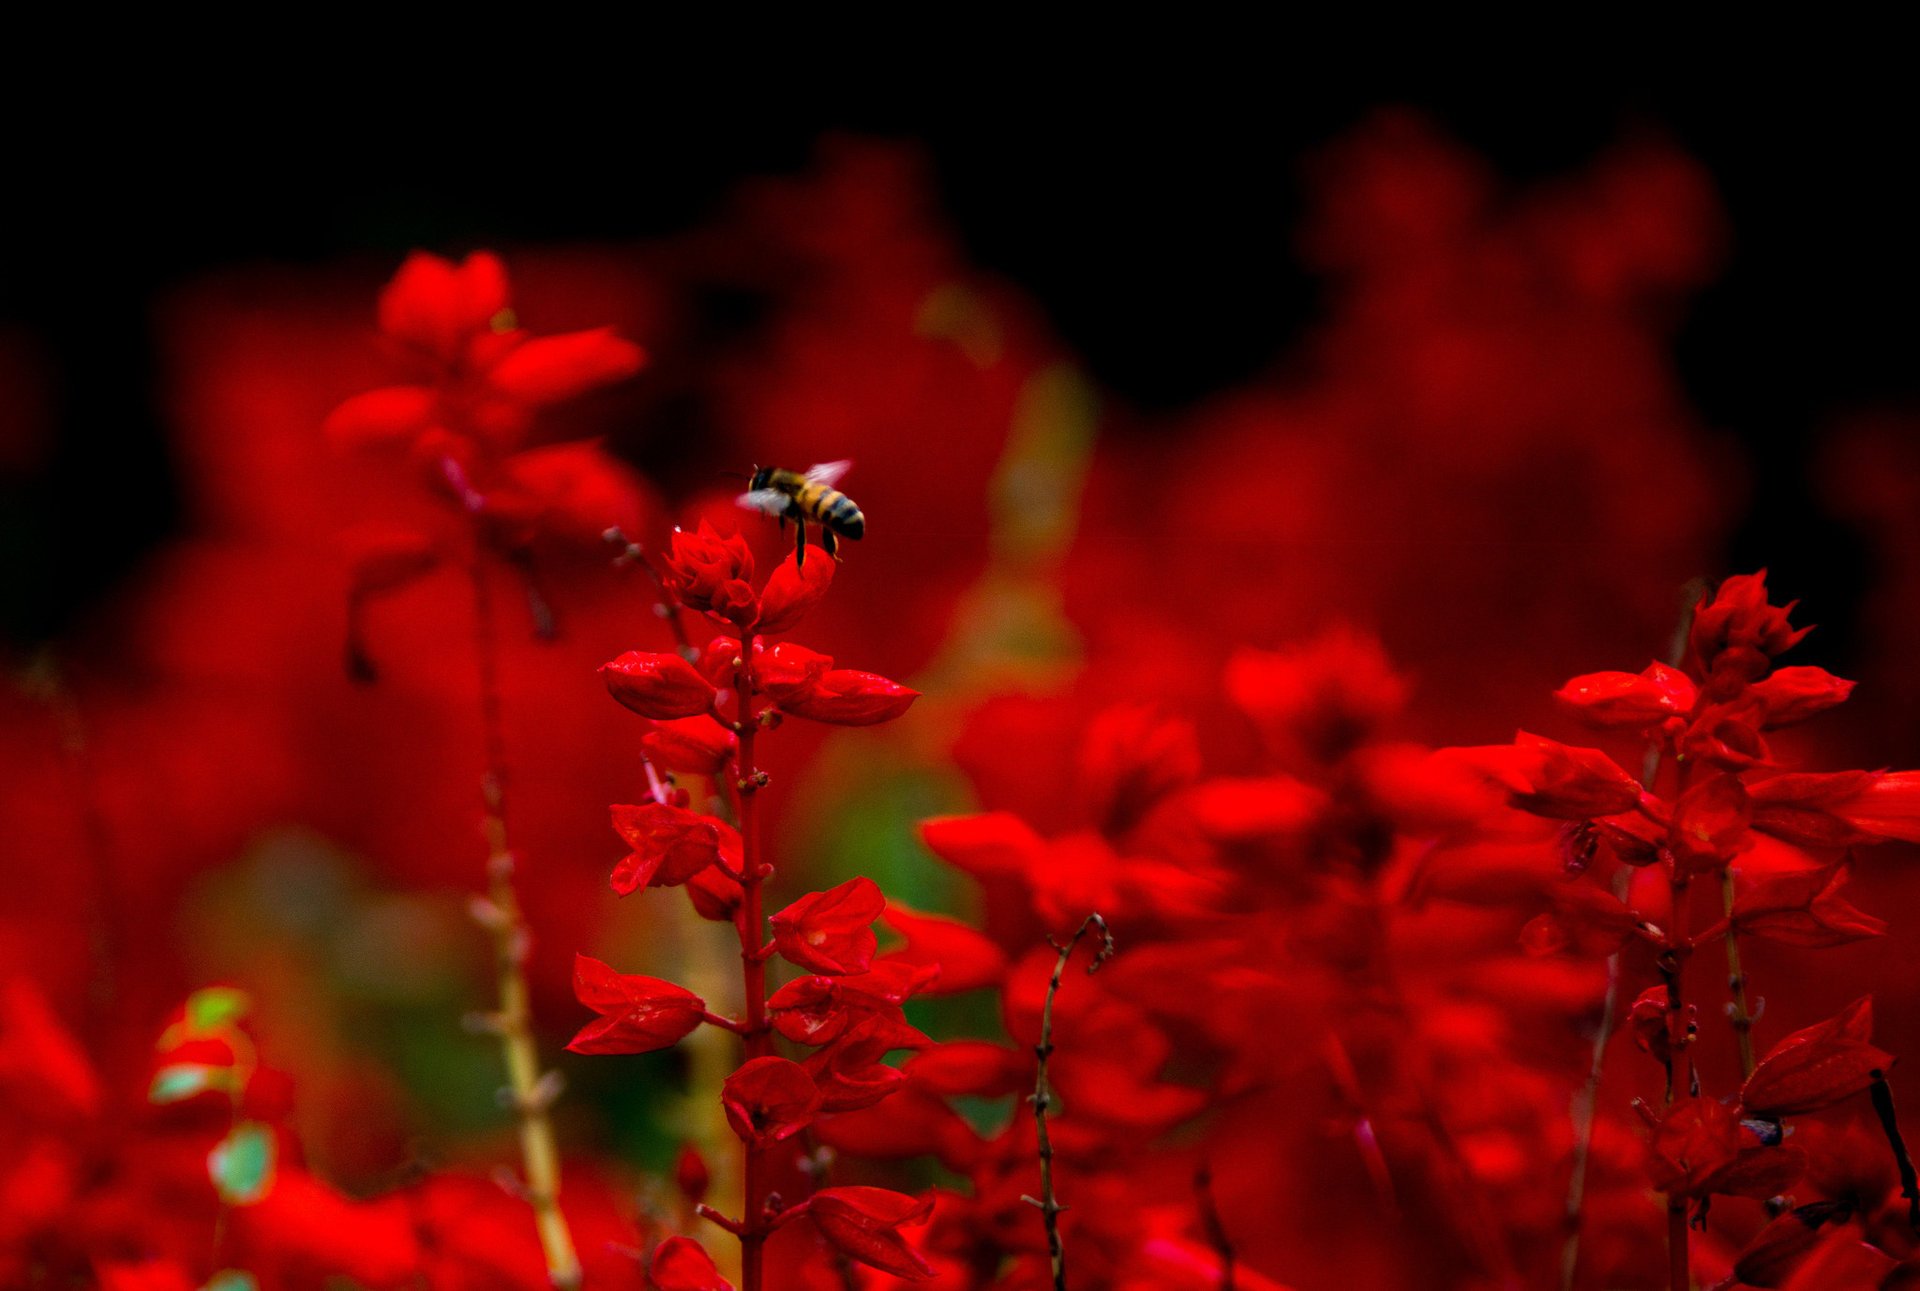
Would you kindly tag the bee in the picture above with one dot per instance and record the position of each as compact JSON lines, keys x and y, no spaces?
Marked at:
{"x":800,"y":498}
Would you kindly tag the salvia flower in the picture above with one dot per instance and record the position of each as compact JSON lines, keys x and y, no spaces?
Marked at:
{"x":831,"y":932}
{"x":637,"y":1014}
{"x":769,"y":1099}
{"x":864,"y":1224}
{"x":1818,"y":1066}
{"x":658,"y":685}
{"x":682,"y":1264}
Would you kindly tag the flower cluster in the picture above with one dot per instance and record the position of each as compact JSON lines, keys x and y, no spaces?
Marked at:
{"x":1771,"y":846}
{"x":706,"y":710}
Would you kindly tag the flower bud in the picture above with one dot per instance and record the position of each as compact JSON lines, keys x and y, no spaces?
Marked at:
{"x":660,"y":686}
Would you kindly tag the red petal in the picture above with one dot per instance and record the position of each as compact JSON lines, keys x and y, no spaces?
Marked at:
{"x":660,"y":686}
{"x":966,"y":958}
{"x":549,"y":369}
{"x":690,"y":745}
{"x":682,"y":1264}
{"x":846,"y":698}
{"x":437,"y":305}
{"x":1629,"y":700}
{"x":392,"y":416}
{"x":831,"y":932}
{"x":864,"y":1224}
{"x":1818,"y":1066}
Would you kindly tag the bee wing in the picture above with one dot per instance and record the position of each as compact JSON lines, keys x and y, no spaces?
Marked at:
{"x":771,"y":501}
{"x":827,"y":473}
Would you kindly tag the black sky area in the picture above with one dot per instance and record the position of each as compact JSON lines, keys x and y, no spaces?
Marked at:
{"x":1152,"y":219}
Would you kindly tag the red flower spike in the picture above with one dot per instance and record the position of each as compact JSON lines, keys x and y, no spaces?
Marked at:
{"x":670,"y":845}
{"x":552,"y":369}
{"x":637,"y":1014}
{"x":1792,"y":695}
{"x":391,"y":417}
{"x":864,"y":1224}
{"x":439,"y":306}
{"x":682,"y":1264}
{"x":1627,"y":700}
{"x":790,"y":592}
{"x":690,"y":745}
{"x":966,"y":958}
{"x":1804,"y":908}
{"x":831,"y":932}
{"x":769,"y":1099}
{"x":660,"y":686}
{"x":690,"y":1174}
{"x":1819,"y":1066}
{"x":787,"y":670}
{"x":1710,"y":821}
{"x":1737,"y":622}
{"x":846,"y":698}
{"x":701,"y":564}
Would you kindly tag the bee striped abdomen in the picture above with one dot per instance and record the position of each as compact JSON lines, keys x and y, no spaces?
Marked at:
{"x":832,"y":508}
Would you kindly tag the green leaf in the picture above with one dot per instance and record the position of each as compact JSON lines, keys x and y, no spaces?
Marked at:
{"x":241,"y":1165}
{"x":183,"y":1080}
{"x":216,"y":1006}
{"x":231,"y":1280}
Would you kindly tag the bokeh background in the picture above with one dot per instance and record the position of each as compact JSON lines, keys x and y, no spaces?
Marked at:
{"x":1488,"y":370}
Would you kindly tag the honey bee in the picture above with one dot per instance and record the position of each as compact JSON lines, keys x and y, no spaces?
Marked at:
{"x":800,"y":498}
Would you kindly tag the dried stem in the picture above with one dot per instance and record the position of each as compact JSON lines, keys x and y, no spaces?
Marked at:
{"x":529,"y":1090}
{"x":747,"y":782}
{"x":1210,"y":1220}
{"x":1042,"y":1097}
{"x":1586,"y":1102}
{"x":1909,"y":1182}
{"x":1740,"y":1015}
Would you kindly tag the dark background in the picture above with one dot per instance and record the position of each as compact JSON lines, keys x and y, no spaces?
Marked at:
{"x":1151,"y":219}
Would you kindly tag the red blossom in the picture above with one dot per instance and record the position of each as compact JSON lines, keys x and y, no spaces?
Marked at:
{"x":1326,"y":695}
{"x":1811,"y":809}
{"x":849,"y":1072}
{"x":787,"y":670}
{"x":1804,"y":908}
{"x":710,"y":571}
{"x":637,"y":1014}
{"x":671,"y":845}
{"x":660,"y":686}
{"x":1710,"y":821}
{"x":1557,"y":780}
{"x":1735,"y":632}
{"x":965,"y":958}
{"x":552,"y":369}
{"x":440,"y":306}
{"x":715,"y":895}
{"x":831,"y":932}
{"x":972,"y":1067}
{"x":1817,"y":1066}
{"x":682,"y":1264}
{"x":818,"y":1010}
{"x":690,"y":745}
{"x":1628,"y":700}
{"x":1699,"y":1147}
{"x":864,"y":1224}
{"x":1792,"y":695}
{"x":792,"y":589}
{"x":846,"y":698}
{"x":769,"y":1099}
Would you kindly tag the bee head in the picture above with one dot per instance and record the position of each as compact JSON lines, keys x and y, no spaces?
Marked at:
{"x":761,"y":474}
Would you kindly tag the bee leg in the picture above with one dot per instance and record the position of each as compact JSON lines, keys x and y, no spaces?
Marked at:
{"x":800,"y":542}
{"x":828,"y":541}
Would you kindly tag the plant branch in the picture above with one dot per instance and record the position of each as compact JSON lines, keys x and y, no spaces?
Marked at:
{"x":751,"y":925}
{"x":1042,"y":1097}
{"x":530,"y":1091}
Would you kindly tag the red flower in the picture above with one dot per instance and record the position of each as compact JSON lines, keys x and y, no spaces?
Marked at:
{"x":1804,"y":908}
{"x":786,"y":670}
{"x":1629,"y":700}
{"x":660,"y":686}
{"x":637,"y":1014}
{"x":965,"y":958}
{"x":769,"y":1099}
{"x":1710,"y":821}
{"x":831,"y":932}
{"x":1700,"y":1147}
{"x":818,"y":1010}
{"x":1327,"y":695}
{"x":845,"y":698}
{"x":682,"y":1264}
{"x":690,"y":745}
{"x":849,"y":1072}
{"x":439,"y":306}
{"x":864,"y":1224}
{"x":710,"y":571}
{"x":976,"y":1068}
{"x":1818,"y":1066}
{"x":1557,"y":780}
{"x":1792,"y":695}
{"x":1735,"y":632}
{"x":790,"y":592}
{"x":670,"y":845}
